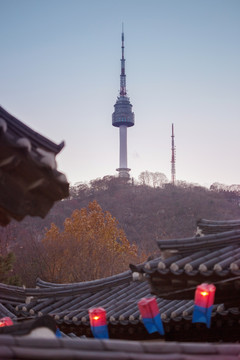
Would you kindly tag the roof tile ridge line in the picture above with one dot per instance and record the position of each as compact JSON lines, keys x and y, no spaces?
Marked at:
{"x":215,"y":241}
{"x":41,"y":140}
{"x":109,"y":281}
{"x":213,"y":244}
{"x":218,"y":222}
{"x":201,"y":238}
{"x":190,"y":238}
{"x":112,"y":277}
{"x":207,"y":239}
{"x":228,"y":226}
{"x":18,"y":290}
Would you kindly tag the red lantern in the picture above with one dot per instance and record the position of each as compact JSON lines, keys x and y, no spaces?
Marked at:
{"x":98,"y":323}
{"x":6,"y":321}
{"x":151,"y":318}
{"x":203,"y":303}
{"x":204,"y":295}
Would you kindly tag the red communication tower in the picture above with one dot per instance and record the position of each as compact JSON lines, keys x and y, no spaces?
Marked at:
{"x":173,"y":161}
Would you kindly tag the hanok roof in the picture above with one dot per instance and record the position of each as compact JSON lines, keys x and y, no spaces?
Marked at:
{"x":173,"y":279}
{"x":205,"y":227}
{"x":30,"y":182}
{"x":190,"y":261}
{"x":16,"y":347}
{"x":119,"y":295}
{"x":69,"y":303}
{"x":217,"y":254}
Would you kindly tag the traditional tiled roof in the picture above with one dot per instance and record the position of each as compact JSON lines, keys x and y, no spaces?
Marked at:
{"x":205,"y":227}
{"x":186,"y":263}
{"x":216,"y":254}
{"x":119,"y":302}
{"x":197,"y":243}
{"x":12,"y":294}
{"x":69,"y":303}
{"x":13,"y":347}
{"x":30,"y":182}
{"x":5,"y":311}
{"x":119,"y":295}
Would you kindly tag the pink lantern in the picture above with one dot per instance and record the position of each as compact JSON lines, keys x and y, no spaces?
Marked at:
{"x":203,"y":304}
{"x":98,"y":323}
{"x":6,"y":321}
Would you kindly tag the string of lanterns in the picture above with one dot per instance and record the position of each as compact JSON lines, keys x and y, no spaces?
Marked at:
{"x":151,"y":317}
{"x":148,"y":307}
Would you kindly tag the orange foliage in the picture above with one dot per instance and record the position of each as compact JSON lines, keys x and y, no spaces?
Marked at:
{"x":91,"y":246}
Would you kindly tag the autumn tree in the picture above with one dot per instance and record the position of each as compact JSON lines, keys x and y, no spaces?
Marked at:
{"x":90,"y":246}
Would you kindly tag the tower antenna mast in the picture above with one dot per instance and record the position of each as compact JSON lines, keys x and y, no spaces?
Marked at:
{"x":173,"y":161}
{"x":123,"y":91}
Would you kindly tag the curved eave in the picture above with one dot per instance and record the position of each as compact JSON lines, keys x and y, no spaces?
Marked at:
{"x":18,"y":129}
{"x":217,"y":226}
{"x":93,"y":285}
{"x":30,"y":182}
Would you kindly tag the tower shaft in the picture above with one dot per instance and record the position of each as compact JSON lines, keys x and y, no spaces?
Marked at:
{"x":123,"y":169}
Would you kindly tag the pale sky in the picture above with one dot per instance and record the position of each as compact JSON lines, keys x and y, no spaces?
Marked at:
{"x":60,"y":68}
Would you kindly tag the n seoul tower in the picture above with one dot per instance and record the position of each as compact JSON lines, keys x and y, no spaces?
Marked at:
{"x":123,"y":117}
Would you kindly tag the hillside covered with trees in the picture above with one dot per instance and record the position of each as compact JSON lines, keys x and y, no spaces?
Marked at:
{"x":141,"y":211}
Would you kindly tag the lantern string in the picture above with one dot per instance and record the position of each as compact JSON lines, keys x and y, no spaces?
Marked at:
{"x":194,"y":287}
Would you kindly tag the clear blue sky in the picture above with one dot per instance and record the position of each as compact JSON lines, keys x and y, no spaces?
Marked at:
{"x":59,"y":73}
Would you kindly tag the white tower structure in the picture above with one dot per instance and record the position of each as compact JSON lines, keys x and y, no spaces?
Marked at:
{"x":123,"y":117}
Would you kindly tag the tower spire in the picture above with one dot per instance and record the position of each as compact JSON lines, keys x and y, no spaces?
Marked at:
{"x":173,"y":161}
{"x":123,"y":91}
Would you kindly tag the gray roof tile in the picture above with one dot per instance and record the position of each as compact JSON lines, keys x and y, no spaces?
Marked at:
{"x":5,"y":312}
{"x":120,"y":302}
{"x":12,"y":347}
{"x":217,"y":254}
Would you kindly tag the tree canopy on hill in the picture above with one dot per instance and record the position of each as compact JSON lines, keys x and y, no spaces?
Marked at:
{"x":146,"y":211}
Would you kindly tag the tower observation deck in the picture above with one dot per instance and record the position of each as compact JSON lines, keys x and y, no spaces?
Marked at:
{"x":123,"y":117}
